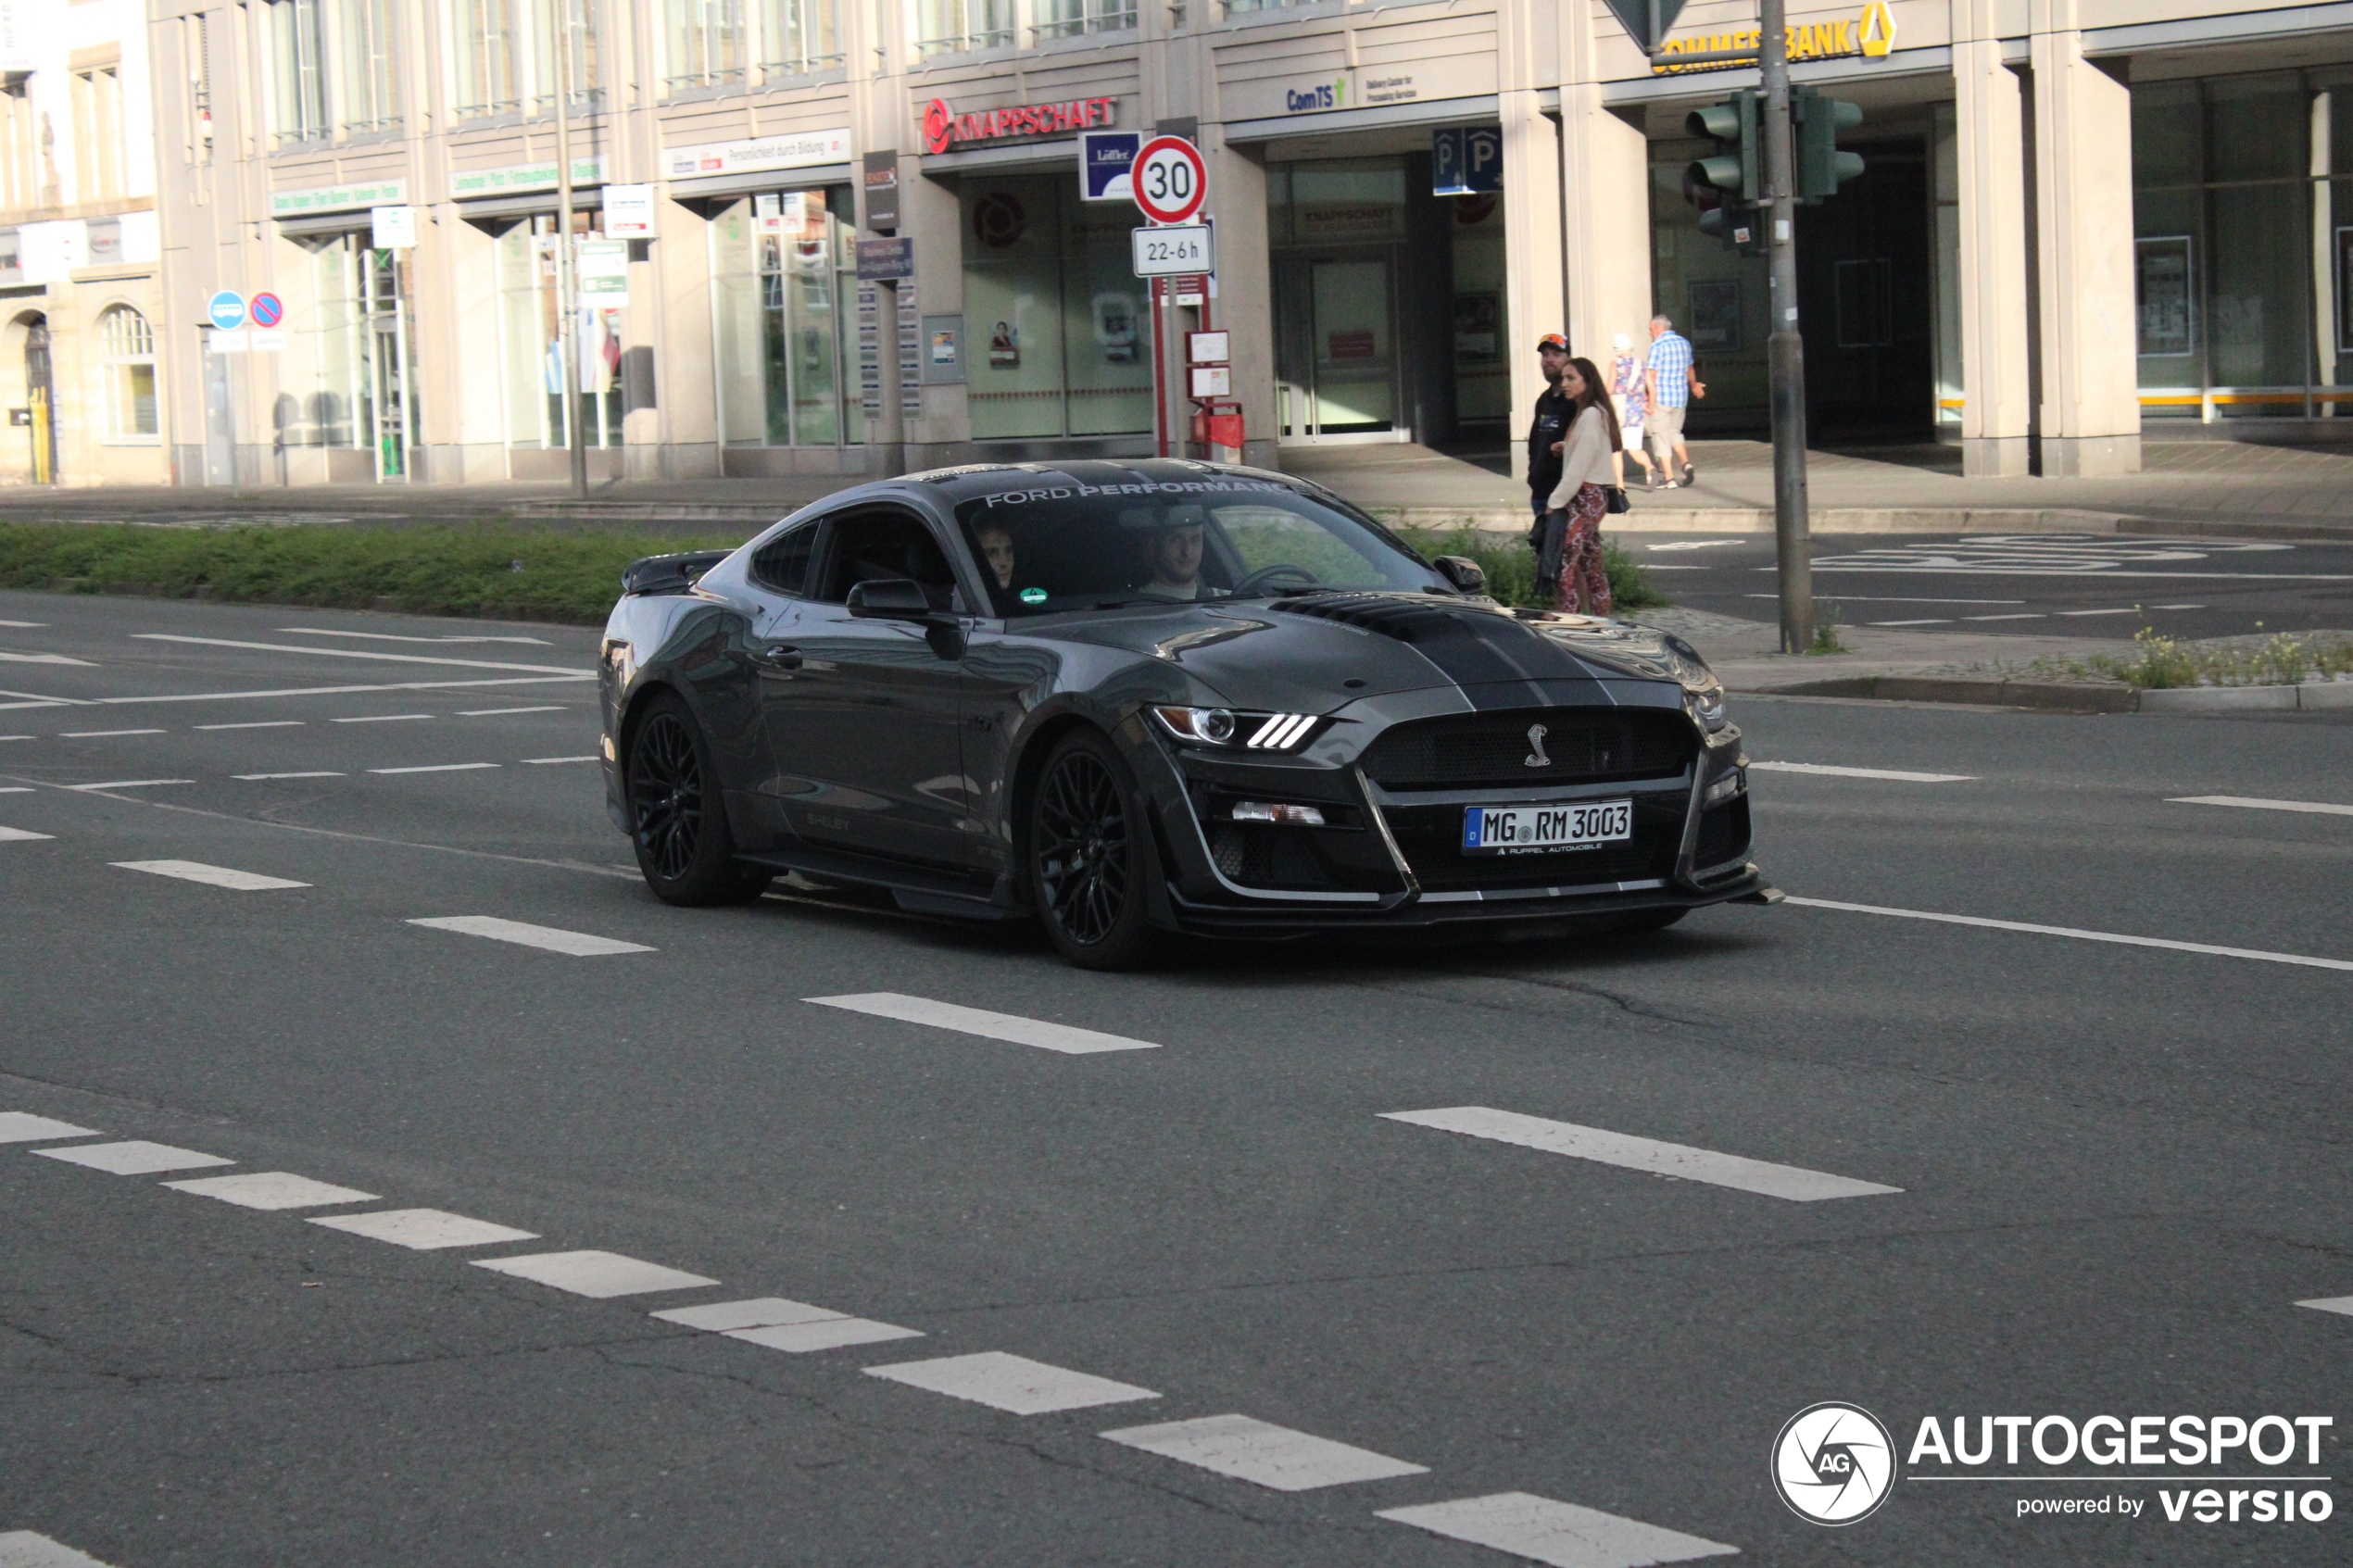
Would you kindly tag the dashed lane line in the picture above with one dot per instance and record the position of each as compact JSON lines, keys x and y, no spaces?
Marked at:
{"x":41,"y":699}
{"x":438,"y":768}
{"x":1011,"y":1383}
{"x":2257,"y":803}
{"x":1680,"y":1161}
{"x":256,"y":724}
{"x":102,"y":735}
{"x":254,"y":777}
{"x":24,"y":625}
{"x":1830,"y":771}
{"x":396,"y":637}
{"x":23,"y":1548}
{"x":496,"y":712}
{"x":422,"y":1230}
{"x":1559,"y":1533}
{"x":544,"y":761}
{"x":363,"y":653}
{"x":129,"y":784}
{"x":43,"y":658}
{"x":273,"y":1190}
{"x":16,"y":789}
{"x":21,"y":836}
{"x":989,"y":1025}
{"x":601,"y":1275}
{"x":211,"y":876}
{"x":382,"y":719}
{"x":135,"y":1157}
{"x":777,"y":1323}
{"x":578,"y":944}
{"x":2031,"y":929}
{"x":1264,"y":1454}
{"x":2343,"y":1304}
{"x":23,"y":1126}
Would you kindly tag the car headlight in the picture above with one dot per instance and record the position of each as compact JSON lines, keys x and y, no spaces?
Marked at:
{"x":1205,"y":726}
{"x":1705,"y":704}
{"x":1249,"y":732}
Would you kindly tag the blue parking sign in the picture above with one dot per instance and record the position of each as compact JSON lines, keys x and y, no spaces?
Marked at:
{"x":1465,"y":161}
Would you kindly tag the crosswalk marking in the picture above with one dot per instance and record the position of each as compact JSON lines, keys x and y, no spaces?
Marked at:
{"x":598,"y":1274}
{"x":1559,"y":1533}
{"x":1262,"y":1453}
{"x":2031,"y":928}
{"x":272,"y":1189}
{"x":577,"y":944}
{"x":989,"y":1025}
{"x":422,"y":1230}
{"x":762,"y":1311}
{"x":1900,"y":774}
{"x":1011,"y":1383}
{"x":779,"y":1325}
{"x":134,"y":1158}
{"x":211,"y":876}
{"x":23,"y":1548}
{"x":1659,"y":1158}
{"x":2257,"y":803}
{"x":23,"y":1126}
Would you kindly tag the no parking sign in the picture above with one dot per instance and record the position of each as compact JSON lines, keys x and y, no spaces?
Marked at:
{"x":267,"y":309}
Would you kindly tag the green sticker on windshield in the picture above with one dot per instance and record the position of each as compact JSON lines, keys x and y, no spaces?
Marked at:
{"x":1033,"y":596}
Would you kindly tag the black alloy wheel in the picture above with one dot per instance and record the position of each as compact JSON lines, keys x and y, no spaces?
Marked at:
{"x":677,"y":822}
{"x":1087,"y":856}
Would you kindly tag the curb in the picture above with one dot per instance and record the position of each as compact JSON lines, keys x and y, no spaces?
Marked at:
{"x":1876,"y":520}
{"x":2070,"y":697}
{"x":2311,"y":696}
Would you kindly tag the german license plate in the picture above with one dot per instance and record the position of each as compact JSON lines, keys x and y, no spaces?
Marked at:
{"x":1584,"y":824}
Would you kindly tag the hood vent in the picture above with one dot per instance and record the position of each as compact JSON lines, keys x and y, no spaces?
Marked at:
{"x":1393,"y":615}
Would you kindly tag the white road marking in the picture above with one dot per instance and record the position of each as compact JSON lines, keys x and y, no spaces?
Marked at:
{"x":990,"y":1025}
{"x":16,"y":737}
{"x":2034,"y":929}
{"x":1900,"y":599}
{"x":396,"y":637}
{"x":211,"y":876}
{"x":599,"y":1274}
{"x":762,"y":1311}
{"x":1011,"y":1383}
{"x":131,"y":784}
{"x":1262,"y":1453}
{"x":23,"y":1126}
{"x":361,"y":653}
{"x":793,"y":1327}
{"x":2177,"y":606}
{"x":1681,"y":1160}
{"x":272,"y":1189}
{"x":102,"y":735}
{"x":1932,"y":622}
{"x":494,"y":713}
{"x":257,"y":724}
{"x":2342,"y":1304}
{"x":1826,"y":768}
{"x":542,"y":761}
{"x":576,"y":943}
{"x":2029,"y":615}
{"x":422,"y":1230}
{"x":381,"y":719}
{"x":24,"y":625}
{"x":1696,"y":545}
{"x":21,"y":836}
{"x":1559,"y":1533}
{"x":250,"y":777}
{"x":2257,"y":803}
{"x":438,"y":768}
{"x":35,"y":699}
{"x":23,"y":1548}
{"x":2127,"y":611}
{"x":16,"y":789}
{"x":134,"y":1158}
{"x":43,"y":658}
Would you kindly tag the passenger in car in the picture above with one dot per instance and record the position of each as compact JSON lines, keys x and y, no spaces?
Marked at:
{"x":997,"y":548}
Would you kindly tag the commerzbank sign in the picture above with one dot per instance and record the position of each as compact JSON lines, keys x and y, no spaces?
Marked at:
{"x":1869,"y":34}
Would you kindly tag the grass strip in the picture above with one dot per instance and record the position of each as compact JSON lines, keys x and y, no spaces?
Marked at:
{"x":1510,"y":565}
{"x":494,"y":571}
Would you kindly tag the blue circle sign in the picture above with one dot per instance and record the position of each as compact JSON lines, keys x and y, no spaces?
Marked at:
{"x":227,"y":309}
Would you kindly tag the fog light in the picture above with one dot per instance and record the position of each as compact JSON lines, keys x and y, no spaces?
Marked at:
{"x":1732,"y":783}
{"x":1282,"y":816}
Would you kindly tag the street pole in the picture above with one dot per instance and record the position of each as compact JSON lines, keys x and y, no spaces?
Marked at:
{"x":566,"y":264}
{"x":1785,"y":350}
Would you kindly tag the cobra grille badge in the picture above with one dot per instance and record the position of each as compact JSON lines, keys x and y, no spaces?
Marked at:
{"x":1536,"y":758}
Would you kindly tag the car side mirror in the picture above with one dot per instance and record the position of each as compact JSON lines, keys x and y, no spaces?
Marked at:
{"x":1465,"y":574}
{"x":889,"y":598}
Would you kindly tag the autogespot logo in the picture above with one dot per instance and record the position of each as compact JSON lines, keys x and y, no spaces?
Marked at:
{"x":1834,"y":1464}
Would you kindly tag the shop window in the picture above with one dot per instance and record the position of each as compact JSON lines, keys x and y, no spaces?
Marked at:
{"x":1074,"y":18}
{"x":127,"y":353}
{"x":506,"y":59}
{"x":950,"y":27}
{"x":531,"y":343}
{"x":784,"y":273}
{"x":1060,"y":327}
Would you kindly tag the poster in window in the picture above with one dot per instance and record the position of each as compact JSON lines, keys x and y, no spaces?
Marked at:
{"x":1715,"y":314}
{"x":1478,"y":319}
{"x":2162,"y":289}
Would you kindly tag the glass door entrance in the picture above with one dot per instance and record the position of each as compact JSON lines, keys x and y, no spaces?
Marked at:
{"x":1336,"y":359}
{"x":389,"y":409}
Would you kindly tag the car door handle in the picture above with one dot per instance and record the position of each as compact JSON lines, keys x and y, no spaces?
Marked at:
{"x":779,"y":656}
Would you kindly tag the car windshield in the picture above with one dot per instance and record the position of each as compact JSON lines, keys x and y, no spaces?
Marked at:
{"x":1064,"y":546}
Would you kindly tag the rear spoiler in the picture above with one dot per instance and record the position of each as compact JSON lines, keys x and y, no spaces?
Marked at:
{"x":669,"y":574}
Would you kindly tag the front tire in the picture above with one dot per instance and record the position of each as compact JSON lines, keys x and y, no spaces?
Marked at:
{"x":1088,"y":847}
{"x":677,"y":820}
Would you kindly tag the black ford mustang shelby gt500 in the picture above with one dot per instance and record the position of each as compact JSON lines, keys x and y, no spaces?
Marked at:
{"x":1161,"y":694}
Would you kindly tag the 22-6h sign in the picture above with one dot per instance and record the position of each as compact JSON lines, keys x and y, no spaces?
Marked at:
{"x":1170,"y":180}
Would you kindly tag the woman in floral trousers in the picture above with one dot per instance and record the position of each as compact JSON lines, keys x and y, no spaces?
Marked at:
{"x":1570,"y":564}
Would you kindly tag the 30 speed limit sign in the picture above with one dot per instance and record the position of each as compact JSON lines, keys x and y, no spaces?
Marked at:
{"x":1169,"y":180}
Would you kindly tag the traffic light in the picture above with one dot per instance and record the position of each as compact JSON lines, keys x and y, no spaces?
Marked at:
{"x":1736,"y":173}
{"x":1815,"y":122}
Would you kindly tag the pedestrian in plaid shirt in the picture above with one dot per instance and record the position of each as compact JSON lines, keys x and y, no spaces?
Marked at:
{"x":1672,"y":382}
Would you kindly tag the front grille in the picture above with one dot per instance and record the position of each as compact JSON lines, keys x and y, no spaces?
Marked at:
{"x":1492,"y":750}
{"x":1431,"y":837}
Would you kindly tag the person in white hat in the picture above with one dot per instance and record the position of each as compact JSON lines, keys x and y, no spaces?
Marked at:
{"x":1628,"y":385}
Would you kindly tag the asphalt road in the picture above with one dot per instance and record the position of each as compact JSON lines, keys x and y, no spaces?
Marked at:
{"x":2118,"y":1167}
{"x":2039,"y":584}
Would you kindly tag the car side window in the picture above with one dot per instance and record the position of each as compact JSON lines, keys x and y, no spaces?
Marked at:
{"x":875,"y":545}
{"x":783,"y":562}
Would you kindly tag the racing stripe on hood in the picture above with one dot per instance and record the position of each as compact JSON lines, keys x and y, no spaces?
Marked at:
{"x":1497,"y":662}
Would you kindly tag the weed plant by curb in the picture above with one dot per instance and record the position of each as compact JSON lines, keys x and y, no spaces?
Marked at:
{"x":513,"y":573}
{"x":1510,"y":566}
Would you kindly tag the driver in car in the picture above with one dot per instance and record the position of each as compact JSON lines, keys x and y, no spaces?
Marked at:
{"x":1175,"y":555}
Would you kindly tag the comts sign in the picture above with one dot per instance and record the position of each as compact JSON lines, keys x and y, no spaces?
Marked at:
{"x":944,"y":128}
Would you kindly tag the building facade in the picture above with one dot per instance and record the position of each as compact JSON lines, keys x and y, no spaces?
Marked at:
{"x":80,"y":359}
{"x":2079,"y":224}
